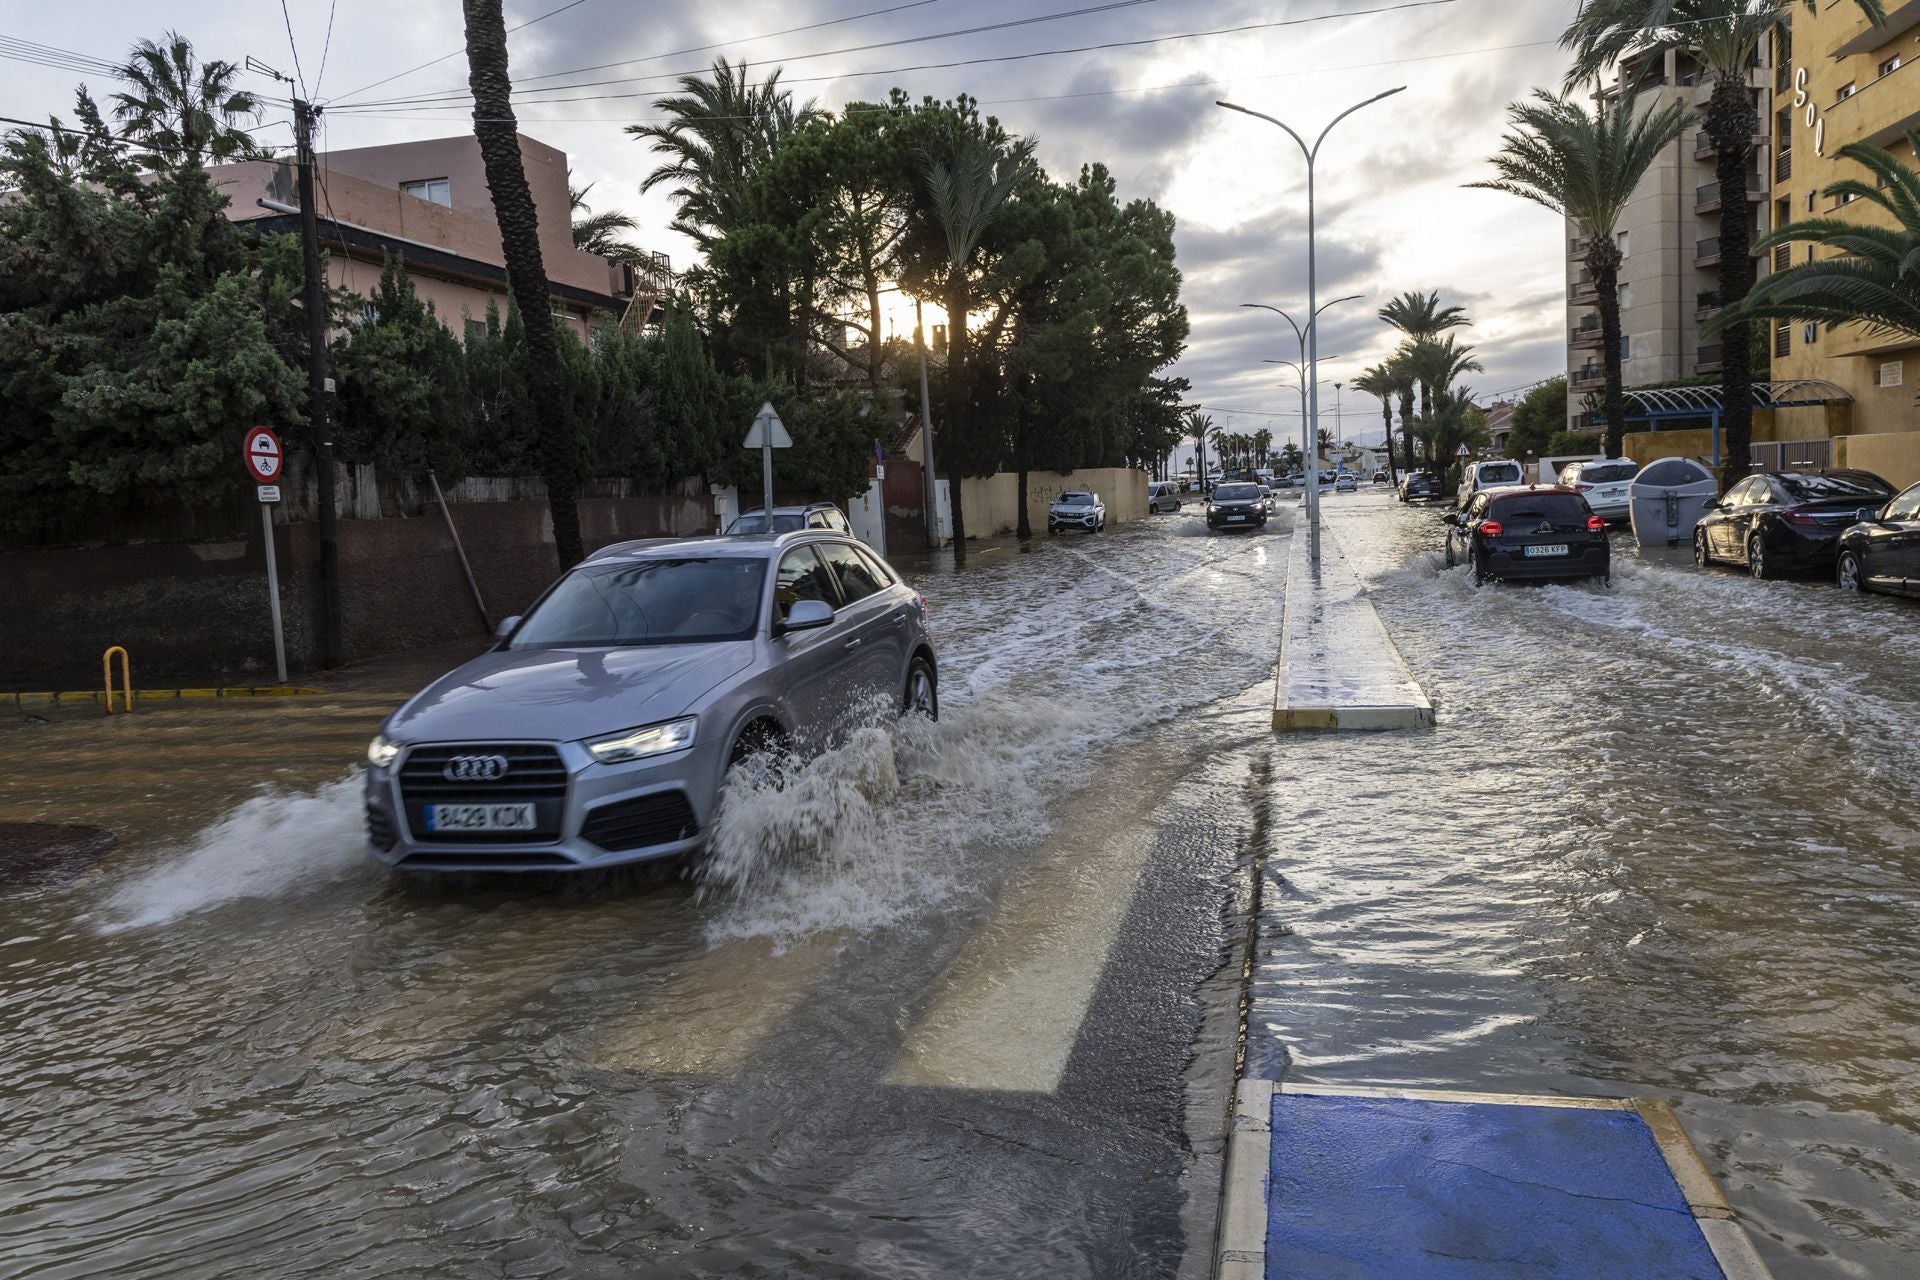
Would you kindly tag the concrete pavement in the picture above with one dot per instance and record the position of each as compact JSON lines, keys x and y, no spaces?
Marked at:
{"x":1339,"y":670}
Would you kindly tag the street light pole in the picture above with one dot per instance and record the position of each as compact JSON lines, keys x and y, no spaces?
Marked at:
{"x":930,"y":487}
{"x":1313,"y":343}
{"x":1309,"y":439}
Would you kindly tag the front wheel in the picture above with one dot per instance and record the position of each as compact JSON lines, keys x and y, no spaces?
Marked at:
{"x":1757,"y":558}
{"x":923,"y":691}
{"x":1848,"y":573}
{"x":1701,"y":556}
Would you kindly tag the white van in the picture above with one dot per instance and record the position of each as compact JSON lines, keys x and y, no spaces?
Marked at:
{"x":1476,"y":476}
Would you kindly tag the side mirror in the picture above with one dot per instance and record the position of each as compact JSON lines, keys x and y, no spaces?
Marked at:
{"x":1871,"y":514}
{"x":1452,"y":517}
{"x":506,"y":627}
{"x":805,"y":615}
{"x":1711,"y":504}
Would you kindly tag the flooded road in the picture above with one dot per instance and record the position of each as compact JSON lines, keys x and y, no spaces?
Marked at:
{"x":1663,"y":841}
{"x":965,"y":1003}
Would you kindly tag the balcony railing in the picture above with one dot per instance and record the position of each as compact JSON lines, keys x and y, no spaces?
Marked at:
{"x":1587,"y":377}
{"x":1783,"y":165}
{"x":1578,"y":246}
{"x":1706,"y":253}
{"x":1584,"y":335}
{"x":1707,"y":198}
{"x":1584,"y":289}
{"x":1706,"y":359}
{"x":1705,"y":303}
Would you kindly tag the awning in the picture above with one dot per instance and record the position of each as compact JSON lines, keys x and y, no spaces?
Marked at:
{"x":1661,"y":407}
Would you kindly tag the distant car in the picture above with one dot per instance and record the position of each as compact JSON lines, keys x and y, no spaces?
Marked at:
{"x":1162,"y":495}
{"x":1236,"y":506}
{"x":1882,"y":551}
{"x":1077,"y":509}
{"x":1346,"y":482}
{"x":815,"y":515}
{"x":1781,"y":521}
{"x":1604,"y":485}
{"x":1380,"y":476}
{"x":1419,"y":484}
{"x":1528,"y":533}
{"x":1268,"y":499}
{"x":1475,"y":476}
{"x":1297,"y":480}
{"x":601,"y":727}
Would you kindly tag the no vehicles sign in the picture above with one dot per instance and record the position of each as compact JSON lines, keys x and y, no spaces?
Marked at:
{"x":263,"y":455}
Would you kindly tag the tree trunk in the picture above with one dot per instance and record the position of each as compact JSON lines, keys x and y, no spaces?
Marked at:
{"x":954,"y":429}
{"x":1386,"y":418}
{"x":1730,"y":124}
{"x":1603,"y":259}
{"x":1023,"y":527}
{"x":498,"y":136}
{"x":1406,"y":425}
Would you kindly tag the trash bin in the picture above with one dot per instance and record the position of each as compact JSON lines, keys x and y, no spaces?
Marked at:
{"x":1668,"y":497}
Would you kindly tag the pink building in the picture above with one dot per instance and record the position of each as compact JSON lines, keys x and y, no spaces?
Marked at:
{"x":426,"y":204}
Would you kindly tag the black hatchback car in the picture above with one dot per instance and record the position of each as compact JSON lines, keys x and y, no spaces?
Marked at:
{"x":1536,"y":532}
{"x":1779,"y":521}
{"x":1882,"y":551}
{"x":1419,"y":484}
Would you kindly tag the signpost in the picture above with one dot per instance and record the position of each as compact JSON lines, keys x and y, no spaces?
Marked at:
{"x":264,"y":457}
{"x":767,"y":434}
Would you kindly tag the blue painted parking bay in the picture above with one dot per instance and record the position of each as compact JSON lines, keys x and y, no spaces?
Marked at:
{"x":1345,"y":1183}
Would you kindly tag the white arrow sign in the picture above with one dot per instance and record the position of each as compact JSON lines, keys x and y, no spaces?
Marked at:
{"x":767,"y":424}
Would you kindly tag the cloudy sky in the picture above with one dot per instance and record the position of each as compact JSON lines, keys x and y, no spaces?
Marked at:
{"x":1392,"y":213}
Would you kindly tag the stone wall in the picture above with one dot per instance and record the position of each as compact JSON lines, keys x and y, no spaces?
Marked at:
{"x":992,"y":503}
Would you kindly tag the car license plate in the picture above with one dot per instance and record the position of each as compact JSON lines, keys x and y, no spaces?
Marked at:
{"x":1552,"y":549}
{"x":480,"y":817}
{"x":1236,"y":517}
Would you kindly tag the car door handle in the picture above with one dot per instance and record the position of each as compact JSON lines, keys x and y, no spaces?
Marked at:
{"x":851,"y":645}
{"x":900,"y":616}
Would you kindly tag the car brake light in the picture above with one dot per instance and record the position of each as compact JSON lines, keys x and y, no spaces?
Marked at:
{"x":1802,"y":518}
{"x":1583,"y":487}
{"x":1596,"y":525}
{"x":1491,"y":528}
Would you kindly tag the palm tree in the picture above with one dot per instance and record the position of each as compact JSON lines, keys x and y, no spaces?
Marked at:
{"x":1438,"y":363}
{"x":1399,"y":369}
{"x":180,"y":115}
{"x":1725,"y":36}
{"x":1262,"y":445}
{"x":1324,"y":442}
{"x":1869,"y":280}
{"x":967,"y":186}
{"x":498,"y":135}
{"x":1420,"y":316}
{"x":1585,"y":167}
{"x":1198,"y":426}
{"x":717,"y":133}
{"x":1453,"y":422}
{"x":1378,"y":380}
{"x":599,"y":233}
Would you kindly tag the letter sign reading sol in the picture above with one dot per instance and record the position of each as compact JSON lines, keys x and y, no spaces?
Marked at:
{"x":263,"y":455}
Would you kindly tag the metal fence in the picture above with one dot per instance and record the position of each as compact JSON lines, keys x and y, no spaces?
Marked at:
{"x":1785,"y":454}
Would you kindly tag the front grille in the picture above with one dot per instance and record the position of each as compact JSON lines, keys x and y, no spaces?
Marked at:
{"x":635,"y":824}
{"x":380,"y":830}
{"x":534,"y":773}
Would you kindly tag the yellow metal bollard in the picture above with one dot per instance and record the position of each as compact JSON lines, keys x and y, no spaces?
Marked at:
{"x":126,"y":678}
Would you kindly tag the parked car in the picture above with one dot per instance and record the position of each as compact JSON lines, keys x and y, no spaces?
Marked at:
{"x":1882,"y":551}
{"x":1236,"y":506}
{"x":1538,"y":531}
{"x":1298,"y":480}
{"x":1162,"y":495}
{"x":1269,"y":501}
{"x":1419,"y":484}
{"x":600,"y":728}
{"x":1781,"y":521}
{"x":1475,"y":476}
{"x":815,"y":515}
{"x":1380,"y":476}
{"x":1077,"y":509}
{"x":1605,"y":485}
{"x":1346,"y":482}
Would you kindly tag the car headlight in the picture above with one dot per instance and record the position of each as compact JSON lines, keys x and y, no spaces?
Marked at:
{"x":652,"y":740}
{"x":382,"y":753}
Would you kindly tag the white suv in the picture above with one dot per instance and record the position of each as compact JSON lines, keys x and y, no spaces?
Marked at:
{"x":1603,"y":484}
{"x":1486,"y":475}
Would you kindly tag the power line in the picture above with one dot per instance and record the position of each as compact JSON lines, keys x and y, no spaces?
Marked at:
{"x":30,"y":51}
{"x":999,"y":58}
{"x":296,"y":49}
{"x":325,"y":48}
{"x":434,"y":62}
{"x":1061,"y":15}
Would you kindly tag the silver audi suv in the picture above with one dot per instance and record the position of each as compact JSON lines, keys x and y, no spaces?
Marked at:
{"x":599,"y":729}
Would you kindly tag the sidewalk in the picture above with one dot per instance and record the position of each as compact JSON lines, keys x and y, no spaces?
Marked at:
{"x":1333,"y":1181}
{"x":1339,"y":670}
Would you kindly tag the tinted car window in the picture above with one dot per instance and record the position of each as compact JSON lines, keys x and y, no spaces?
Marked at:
{"x":1607,"y":472}
{"x":802,"y":577}
{"x":1499,"y":473}
{"x":757,"y":523}
{"x":881,"y":569}
{"x":1906,"y":506}
{"x":857,"y":579}
{"x":1819,"y":488}
{"x":1522,"y":513}
{"x":649,"y":602}
{"x":1236,"y":492}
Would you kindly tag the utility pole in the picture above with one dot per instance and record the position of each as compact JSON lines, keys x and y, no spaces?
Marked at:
{"x":926,"y":436}
{"x":317,"y":408}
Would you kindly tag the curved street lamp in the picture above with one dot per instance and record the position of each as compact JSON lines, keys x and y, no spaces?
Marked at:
{"x":1311,"y":153}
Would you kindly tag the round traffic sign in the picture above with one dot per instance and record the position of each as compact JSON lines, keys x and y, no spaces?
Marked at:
{"x":263,"y":455}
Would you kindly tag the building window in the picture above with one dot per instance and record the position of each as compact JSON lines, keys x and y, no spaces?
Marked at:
{"x":1846,"y":91}
{"x":1810,"y":201}
{"x":1891,"y":374}
{"x":1623,"y":244}
{"x":432,"y":190}
{"x":1782,"y":339}
{"x":369,"y":312}
{"x":1625,"y":295}
{"x":1626,"y":346}
{"x":1890,"y":66}
{"x":476,"y":331}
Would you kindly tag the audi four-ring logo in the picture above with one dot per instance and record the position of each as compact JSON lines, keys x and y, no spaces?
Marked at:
{"x":475,"y":768}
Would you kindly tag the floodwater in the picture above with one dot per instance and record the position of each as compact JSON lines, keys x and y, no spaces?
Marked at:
{"x":954,"y":1007}
{"x":1662,"y":842}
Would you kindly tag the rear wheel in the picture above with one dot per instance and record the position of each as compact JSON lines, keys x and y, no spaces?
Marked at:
{"x":1848,"y":574}
{"x":1757,"y":558}
{"x":1450,"y":560}
{"x":923,"y":691}
{"x":1480,"y":574}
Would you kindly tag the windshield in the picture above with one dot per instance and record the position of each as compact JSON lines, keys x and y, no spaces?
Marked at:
{"x":648,"y":602}
{"x":1525,"y":514}
{"x":1236,"y":493}
{"x":757,"y":523}
{"x":1499,"y":473}
{"x":1819,"y":488}
{"x":1608,"y":472}
{"x":1076,"y":500}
